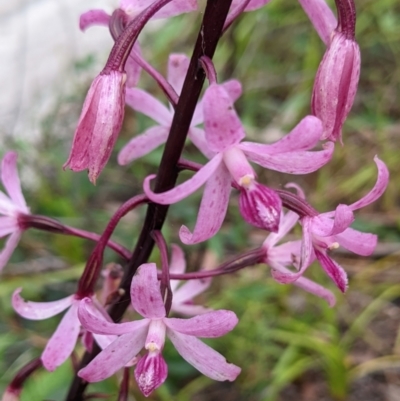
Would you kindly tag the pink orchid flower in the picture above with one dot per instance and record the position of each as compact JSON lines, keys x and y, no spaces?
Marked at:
{"x":99,"y":124}
{"x":62,"y":342}
{"x":183,"y":294}
{"x":224,"y":132}
{"x":328,"y":231}
{"x":335,"y":85}
{"x":151,"y":370}
{"x":11,"y":206}
{"x":279,"y":257}
{"x":148,"y":105}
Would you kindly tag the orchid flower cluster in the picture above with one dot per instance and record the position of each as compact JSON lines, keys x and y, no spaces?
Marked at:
{"x":112,"y":342}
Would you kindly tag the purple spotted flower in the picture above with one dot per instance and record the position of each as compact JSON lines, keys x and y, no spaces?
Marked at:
{"x":11,"y":207}
{"x":150,"y":332}
{"x":224,"y":132}
{"x":327,"y":231}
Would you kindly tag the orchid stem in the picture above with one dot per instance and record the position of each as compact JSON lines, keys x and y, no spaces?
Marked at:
{"x":207,"y":40}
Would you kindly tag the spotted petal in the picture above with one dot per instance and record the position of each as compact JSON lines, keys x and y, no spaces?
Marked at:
{"x":115,"y":356}
{"x":145,"y":292}
{"x":62,"y":342}
{"x":213,"y":207}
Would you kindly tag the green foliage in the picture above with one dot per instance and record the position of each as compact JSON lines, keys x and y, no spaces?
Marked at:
{"x":284,"y":335}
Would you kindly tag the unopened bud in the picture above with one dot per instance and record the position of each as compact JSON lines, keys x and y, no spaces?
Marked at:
{"x":260,"y":206}
{"x":336,"y":84}
{"x":99,"y":124}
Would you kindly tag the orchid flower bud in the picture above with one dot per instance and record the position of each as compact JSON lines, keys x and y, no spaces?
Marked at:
{"x":99,"y":124}
{"x":337,"y":77}
{"x":336,"y":84}
{"x":260,"y":206}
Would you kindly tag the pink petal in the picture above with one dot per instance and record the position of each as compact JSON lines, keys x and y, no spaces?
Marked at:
{"x":190,"y":290}
{"x":151,"y":372}
{"x":335,"y":84}
{"x":177,"y":68}
{"x":92,"y":18}
{"x":302,"y":162}
{"x":142,"y":144}
{"x":286,"y":254}
{"x":115,"y":356}
{"x":132,"y":68}
{"x":178,"y":263}
{"x":148,"y":105}
{"x":233,"y":88}
{"x":287,"y":222}
{"x":10,"y":179}
{"x":93,"y":322}
{"x":321,"y":16}
{"x":209,"y":362}
{"x":8,"y":225}
{"x":316,"y":289}
{"x":185,"y":189}
{"x":212,"y":211}
{"x":325,"y":227}
{"x":304,"y":136}
{"x":221,"y":123}
{"x":10,"y":245}
{"x":145,"y":292}
{"x":306,"y":245}
{"x":333,"y":270}
{"x":103,"y":340}
{"x":39,"y":310}
{"x":198,"y":138}
{"x":62,"y":342}
{"x":99,"y":124}
{"x":176,"y":7}
{"x":209,"y":325}
{"x":378,"y":189}
{"x":355,"y":241}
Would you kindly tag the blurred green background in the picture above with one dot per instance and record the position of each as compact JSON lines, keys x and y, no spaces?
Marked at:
{"x":289,"y":344}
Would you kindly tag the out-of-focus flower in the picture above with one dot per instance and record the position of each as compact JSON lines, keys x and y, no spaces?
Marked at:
{"x":183,"y":294}
{"x":151,"y":370}
{"x":99,"y":124}
{"x":223,"y":133}
{"x":148,"y":105}
{"x":11,"y":206}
